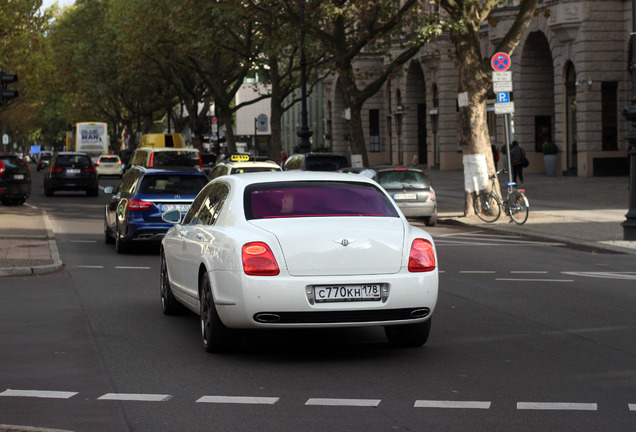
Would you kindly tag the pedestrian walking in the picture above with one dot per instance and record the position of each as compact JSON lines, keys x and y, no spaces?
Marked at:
{"x":517,"y":156}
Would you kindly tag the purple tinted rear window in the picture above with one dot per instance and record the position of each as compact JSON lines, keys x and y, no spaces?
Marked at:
{"x":315,"y":199}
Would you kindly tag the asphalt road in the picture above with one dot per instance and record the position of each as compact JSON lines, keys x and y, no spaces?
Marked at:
{"x":528,"y":335}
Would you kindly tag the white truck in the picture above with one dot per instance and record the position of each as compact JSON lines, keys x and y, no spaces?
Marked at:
{"x":91,"y":138}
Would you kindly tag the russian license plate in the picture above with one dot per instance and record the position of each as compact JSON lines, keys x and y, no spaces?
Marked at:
{"x":404,"y":196}
{"x":181,"y":207}
{"x":72,"y":171}
{"x":346,"y":293}
{"x":18,"y":177}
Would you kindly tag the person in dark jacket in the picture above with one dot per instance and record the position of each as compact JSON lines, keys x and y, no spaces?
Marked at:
{"x":517,"y":153}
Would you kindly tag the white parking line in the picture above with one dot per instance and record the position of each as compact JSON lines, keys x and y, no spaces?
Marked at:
{"x":343,"y":402}
{"x":563,"y":406}
{"x":253,"y":400}
{"x":135,"y":397}
{"x":452,"y":404}
{"x":38,"y":394}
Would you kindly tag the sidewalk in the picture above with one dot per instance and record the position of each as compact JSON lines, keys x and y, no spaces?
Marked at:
{"x":586,"y":211}
{"x":27,"y":242}
{"x":576,"y":210}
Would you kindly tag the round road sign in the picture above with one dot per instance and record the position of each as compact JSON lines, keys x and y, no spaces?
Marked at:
{"x":500,"y":62}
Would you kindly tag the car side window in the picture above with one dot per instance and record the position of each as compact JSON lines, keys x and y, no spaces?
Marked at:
{"x":191,"y":217}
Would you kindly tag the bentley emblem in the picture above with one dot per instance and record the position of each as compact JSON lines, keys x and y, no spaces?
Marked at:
{"x":344,"y":242}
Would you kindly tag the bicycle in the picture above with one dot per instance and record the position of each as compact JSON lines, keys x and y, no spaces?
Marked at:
{"x":488,"y":204}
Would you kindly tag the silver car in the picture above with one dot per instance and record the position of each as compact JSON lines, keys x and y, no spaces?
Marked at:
{"x":411,"y":190}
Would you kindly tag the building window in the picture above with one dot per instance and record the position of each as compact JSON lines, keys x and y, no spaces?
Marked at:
{"x":609,"y":101}
{"x":374,"y":130}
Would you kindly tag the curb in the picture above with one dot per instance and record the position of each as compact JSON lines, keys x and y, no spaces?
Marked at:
{"x":43,"y":269}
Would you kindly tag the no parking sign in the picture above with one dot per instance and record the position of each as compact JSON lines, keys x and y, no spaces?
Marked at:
{"x":500,"y":62}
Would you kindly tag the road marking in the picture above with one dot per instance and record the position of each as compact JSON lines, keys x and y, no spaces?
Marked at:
{"x":131,"y":268}
{"x":534,"y":280}
{"x":564,"y":406}
{"x":253,"y":400}
{"x":343,"y":402}
{"x":528,"y":272}
{"x":476,"y":272}
{"x":83,"y":241}
{"x":135,"y":397}
{"x":605,"y":275}
{"x":91,"y":266}
{"x":38,"y":394}
{"x":632,"y":407}
{"x":452,"y":404}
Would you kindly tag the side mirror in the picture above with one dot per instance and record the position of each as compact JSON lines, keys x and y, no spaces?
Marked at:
{"x":171,"y":216}
{"x":109,"y":189}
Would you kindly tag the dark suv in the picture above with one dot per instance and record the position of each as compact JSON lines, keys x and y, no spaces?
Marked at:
{"x":133,"y":214}
{"x":71,"y":171}
{"x":15,"y":179}
{"x":316,"y":162}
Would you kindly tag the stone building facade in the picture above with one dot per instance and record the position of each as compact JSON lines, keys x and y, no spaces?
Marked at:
{"x":570,"y":81}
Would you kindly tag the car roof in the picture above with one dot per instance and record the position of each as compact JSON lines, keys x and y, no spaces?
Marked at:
{"x":169,"y":170}
{"x":396,"y":168}
{"x":246,"y":179}
{"x":169,"y":149}
{"x":258,"y":164}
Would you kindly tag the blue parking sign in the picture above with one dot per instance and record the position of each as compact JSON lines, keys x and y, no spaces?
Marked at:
{"x":503,"y":97}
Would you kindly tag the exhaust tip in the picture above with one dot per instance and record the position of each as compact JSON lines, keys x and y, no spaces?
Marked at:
{"x":267,"y":317}
{"x":420,"y":313}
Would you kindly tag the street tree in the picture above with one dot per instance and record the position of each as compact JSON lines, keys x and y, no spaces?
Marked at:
{"x":466,"y":18}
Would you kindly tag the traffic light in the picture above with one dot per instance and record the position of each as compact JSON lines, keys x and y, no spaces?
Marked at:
{"x":6,"y":79}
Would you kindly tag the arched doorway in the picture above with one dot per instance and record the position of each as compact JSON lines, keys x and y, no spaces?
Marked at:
{"x":415,"y":132}
{"x":570,"y":119}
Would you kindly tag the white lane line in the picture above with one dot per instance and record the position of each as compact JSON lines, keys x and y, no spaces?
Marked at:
{"x":131,"y":268}
{"x":83,"y":241}
{"x":452,"y":404}
{"x":38,"y":394}
{"x":252,"y":400}
{"x":343,"y":402}
{"x":476,"y":272}
{"x":528,"y":272}
{"x":562,"y":406}
{"x":632,"y":407}
{"x":604,"y":275}
{"x":135,"y":397}
{"x":91,"y":266}
{"x":534,"y":280}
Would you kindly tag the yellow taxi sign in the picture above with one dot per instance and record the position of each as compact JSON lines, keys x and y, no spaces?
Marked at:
{"x":239,"y":158}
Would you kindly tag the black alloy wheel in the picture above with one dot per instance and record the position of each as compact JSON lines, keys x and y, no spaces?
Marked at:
{"x":169,"y":305}
{"x":216,"y":337}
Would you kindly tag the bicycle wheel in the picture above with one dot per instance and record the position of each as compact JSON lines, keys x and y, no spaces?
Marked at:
{"x":518,"y":207}
{"x":487,"y":207}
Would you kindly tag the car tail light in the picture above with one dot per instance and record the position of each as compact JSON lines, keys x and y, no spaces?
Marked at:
{"x":89,"y":169}
{"x":422,"y":256}
{"x":431,"y":196}
{"x":152,"y":160}
{"x":2,"y":168}
{"x":98,"y":162}
{"x":258,"y":260}
{"x":138,"y":205}
{"x":57,"y":169}
{"x":200,"y":162}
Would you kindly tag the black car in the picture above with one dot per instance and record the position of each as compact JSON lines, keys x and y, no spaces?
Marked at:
{"x":43,"y":159}
{"x":133,"y":214}
{"x":71,"y":171}
{"x":316,"y":162}
{"x":15,"y":180}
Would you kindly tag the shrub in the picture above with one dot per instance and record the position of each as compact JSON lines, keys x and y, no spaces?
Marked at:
{"x":550,"y":148}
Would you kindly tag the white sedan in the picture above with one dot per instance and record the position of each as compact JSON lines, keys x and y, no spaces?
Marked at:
{"x":298,"y":250}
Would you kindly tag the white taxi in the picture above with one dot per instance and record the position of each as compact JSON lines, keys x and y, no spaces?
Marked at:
{"x":240,"y":164}
{"x":109,"y":165}
{"x":298,"y":249}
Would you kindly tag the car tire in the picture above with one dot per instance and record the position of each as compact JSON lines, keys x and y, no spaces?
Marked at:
{"x":108,"y":234}
{"x":430,"y":220}
{"x":217,"y":338}
{"x":408,"y":335}
{"x":169,"y":304}
{"x":121,"y":246}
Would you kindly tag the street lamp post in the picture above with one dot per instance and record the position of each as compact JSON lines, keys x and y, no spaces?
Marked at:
{"x":303,"y":133}
{"x":629,"y":225}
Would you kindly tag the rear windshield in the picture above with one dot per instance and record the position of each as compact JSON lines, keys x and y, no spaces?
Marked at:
{"x":175,"y":158}
{"x":12,"y":162}
{"x":315,"y":199}
{"x":402,"y":178}
{"x":325,"y":163}
{"x":73,"y":160}
{"x":172,"y":184}
{"x":109,"y":159}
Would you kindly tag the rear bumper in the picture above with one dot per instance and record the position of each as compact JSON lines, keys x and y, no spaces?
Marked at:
{"x":15,"y":190}
{"x":418,"y":209}
{"x":72,"y":184}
